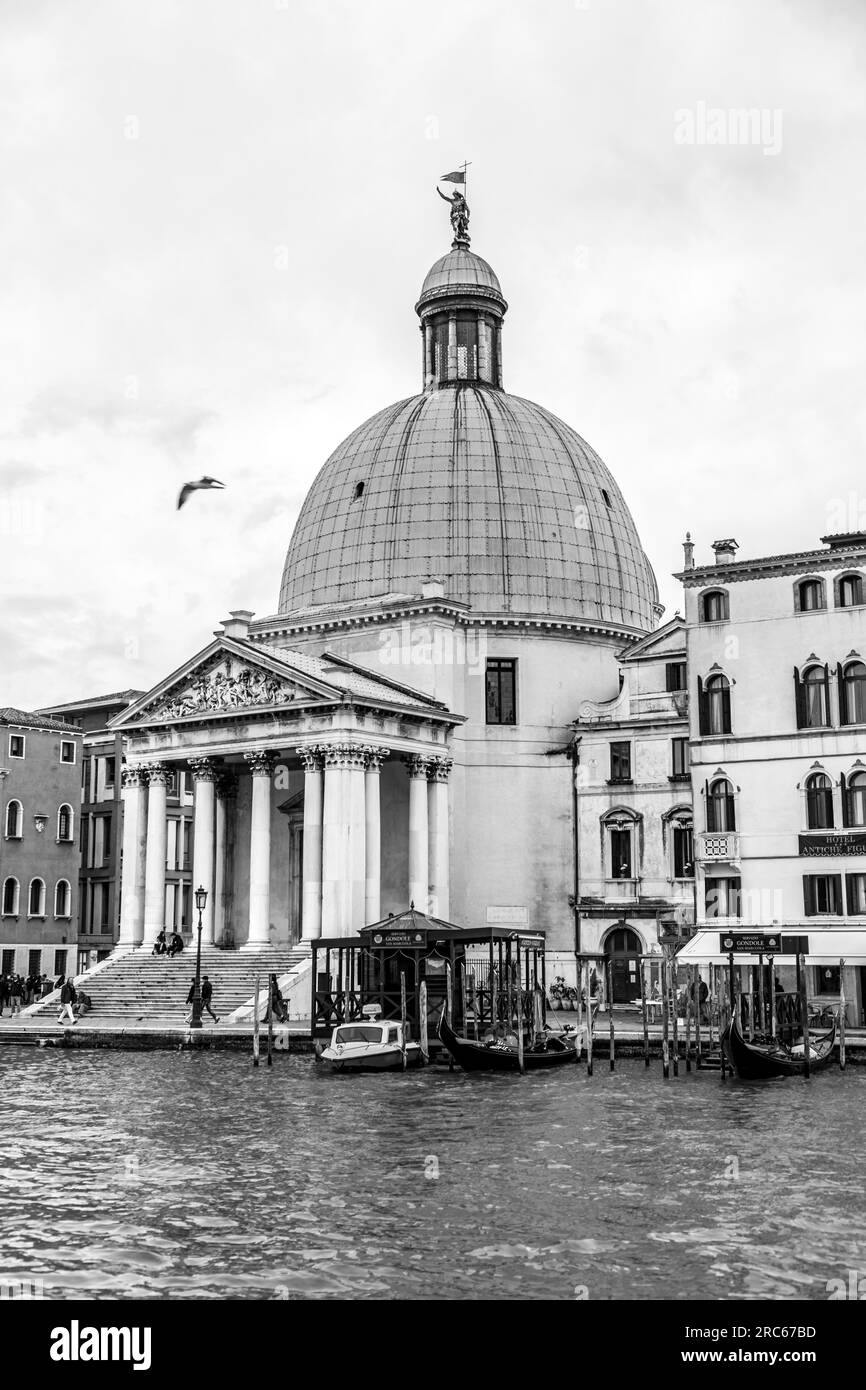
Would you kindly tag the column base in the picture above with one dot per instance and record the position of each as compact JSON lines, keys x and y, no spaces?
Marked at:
{"x":256,"y":946}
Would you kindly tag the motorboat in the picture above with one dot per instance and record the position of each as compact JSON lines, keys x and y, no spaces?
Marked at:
{"x":371,"y":1044}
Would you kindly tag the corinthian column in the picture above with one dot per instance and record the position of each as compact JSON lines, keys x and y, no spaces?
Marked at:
{"x":373,"y":834}
{"x":226,"y":793}
{"x":418,"y":850}
{"x":133,"y":860}
{"x":343,"y":859}
{"x":261,"y":765}
{"x":204,"y":774}
{"x":437,"y":814}
{"x":311,"y":909}
{"x":157,"y":836}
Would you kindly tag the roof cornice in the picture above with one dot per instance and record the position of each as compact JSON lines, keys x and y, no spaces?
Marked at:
{"x":799,"y":562}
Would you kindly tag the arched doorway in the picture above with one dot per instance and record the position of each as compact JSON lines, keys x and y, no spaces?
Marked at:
{"x":623,"y":949}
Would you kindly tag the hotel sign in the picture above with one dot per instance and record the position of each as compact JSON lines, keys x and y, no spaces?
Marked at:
{"x":826,"y":846}
{"x":753,"y":943}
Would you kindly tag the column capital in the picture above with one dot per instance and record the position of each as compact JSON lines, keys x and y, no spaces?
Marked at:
{"x":310,"y":756}
{"x":261,"y":762}
{"x":376,"y":757}
{"x":416,"y":764}
{"x":134,"y":776}
{"x":204,"y":769}
{"x":438,"y":769}
{"x":345,"y":755}
{"x":158,"y":774}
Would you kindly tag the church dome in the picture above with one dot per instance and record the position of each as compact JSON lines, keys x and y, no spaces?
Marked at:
{"x":489,"y":494}
{"x":460,"y":272}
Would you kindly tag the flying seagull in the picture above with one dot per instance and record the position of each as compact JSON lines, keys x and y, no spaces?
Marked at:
{"x":194,"y":487}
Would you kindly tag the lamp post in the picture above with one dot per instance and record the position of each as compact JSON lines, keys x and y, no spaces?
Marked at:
{"x":200,"y":902}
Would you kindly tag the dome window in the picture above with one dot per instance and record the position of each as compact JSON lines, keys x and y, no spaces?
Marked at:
{"x":606,"y":495}
{"x":359,"y":490}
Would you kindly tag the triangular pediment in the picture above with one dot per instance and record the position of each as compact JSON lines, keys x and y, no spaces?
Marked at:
{"x":220,"y":682}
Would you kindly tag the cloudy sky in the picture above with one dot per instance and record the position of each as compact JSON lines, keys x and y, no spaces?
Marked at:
{"x":216,"y":217}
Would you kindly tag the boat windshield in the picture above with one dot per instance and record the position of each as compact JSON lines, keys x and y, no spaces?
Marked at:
{"x":358,"y":1033}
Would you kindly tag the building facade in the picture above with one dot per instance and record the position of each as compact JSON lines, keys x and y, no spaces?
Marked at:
{"x":101,"y":829}
{"x":40,"y":796}
{"x":636,"y":874}
{"x":777,"y":672}
{"x":461,"y":579}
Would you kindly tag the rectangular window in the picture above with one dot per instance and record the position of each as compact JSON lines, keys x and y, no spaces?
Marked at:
{"x":109,"y":773}
{"x":822,"y":895}
{"x":829,"y":979}
{"x":59,"y":963}
{"x":187,"y":842}
{"x":34,"y":962}
{"x":620,"y":853}
{"x":184,"y":905}
{"x":675,"y":675}
{"x":171,"y":838}
{"x":171,"y":784}
{"x":106,"y":841}
{"x":16,"y":745}
{"x":722,"y":897}
{"x":680,"y":758}
{"x":856,"y":894}
{"x":501,"y":691}
{"x":684,"y":853}
{"x":9,"y":962}
{"x":620,"y":762}
{"x":67,"y":750}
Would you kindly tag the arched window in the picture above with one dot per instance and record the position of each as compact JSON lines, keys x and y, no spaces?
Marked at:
{"x":62,"y":898}
{"x":855,"y":799}
{"x":683,"y":848}
{"x":36,"y":898}
{"x":849,"y":592}
{"x":10,"y":897}
{"x":721,"y":812}
{"x":819,"y":801}
{"x":714,"y":705}
{"x":714,"y":606}
{"x":809,"y":596}
{"x":14,"y":820}
{"x":64,"y":823}
{"x":621,"y":847}
{"x":852,"y":693}
{"x":813,"y":697}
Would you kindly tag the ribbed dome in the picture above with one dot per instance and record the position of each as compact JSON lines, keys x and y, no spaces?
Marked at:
{"x":490,"y":494}
{"x":459,"y":272}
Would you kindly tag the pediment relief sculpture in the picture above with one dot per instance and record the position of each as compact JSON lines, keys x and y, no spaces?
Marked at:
{"x":247,"y":689}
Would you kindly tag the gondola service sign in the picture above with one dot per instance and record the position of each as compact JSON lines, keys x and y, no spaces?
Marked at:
{"x":752,"y":943}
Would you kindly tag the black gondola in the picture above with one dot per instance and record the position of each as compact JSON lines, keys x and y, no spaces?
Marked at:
{"x":555,"y":1051}
{"x":756,"y":1061}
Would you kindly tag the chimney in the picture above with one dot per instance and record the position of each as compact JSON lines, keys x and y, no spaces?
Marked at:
{"x":237,"y":624}
{"x":725,"y":551}
{"x":688,"y":552}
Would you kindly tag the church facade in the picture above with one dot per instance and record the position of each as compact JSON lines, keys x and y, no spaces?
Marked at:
{"x":461,"y":579}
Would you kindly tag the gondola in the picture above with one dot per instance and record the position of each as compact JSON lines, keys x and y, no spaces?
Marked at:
{"x":555,"y":1051}
{"x":755,"y":1061}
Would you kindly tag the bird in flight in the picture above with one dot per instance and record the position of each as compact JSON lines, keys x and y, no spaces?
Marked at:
{"x":194,"y":487}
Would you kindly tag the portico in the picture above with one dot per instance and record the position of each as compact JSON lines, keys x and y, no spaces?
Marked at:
{"x":360,"y":852}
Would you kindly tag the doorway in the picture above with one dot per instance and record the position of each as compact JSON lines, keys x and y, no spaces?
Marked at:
{"x":623,"y":949}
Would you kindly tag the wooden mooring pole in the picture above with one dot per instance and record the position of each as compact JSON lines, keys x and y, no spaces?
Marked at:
{"x":842,"y":1007}
{"x":422,"y":1017}
{"x":403,"y":1016}
{"x":520,"y":1065}
{"x":666,"y":1061}
{"x":675,"y":1013}
{"x":804,"y":1012}
{"x":643,"y":1009}
{"x":772,"y":1018}
{"x":698,"y":1017}
{"x":609,"y":964}
{"x":256,"y":1025}
{"x":690,"y":985}
{"x":588,"y":1021}
{"x":271,"y":982}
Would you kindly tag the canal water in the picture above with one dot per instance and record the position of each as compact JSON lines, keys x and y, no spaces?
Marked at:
{"x":194,"y":1176}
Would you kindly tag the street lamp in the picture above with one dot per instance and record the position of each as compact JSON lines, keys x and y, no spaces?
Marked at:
{"x":200,"y":902}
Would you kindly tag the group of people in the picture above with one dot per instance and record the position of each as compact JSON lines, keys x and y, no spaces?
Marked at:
{"x":18,"y":991}
{"x":278,"y":1003}
{"x":168,"y":946}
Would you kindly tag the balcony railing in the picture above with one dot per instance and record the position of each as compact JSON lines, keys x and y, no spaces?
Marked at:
{"x":718,"y":846}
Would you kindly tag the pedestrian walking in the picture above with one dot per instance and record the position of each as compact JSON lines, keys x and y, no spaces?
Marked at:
{"x":16,"y":994}
{"x":67,"y":1001}
{"x":206,"y":996}
{"x":4,"y":993}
